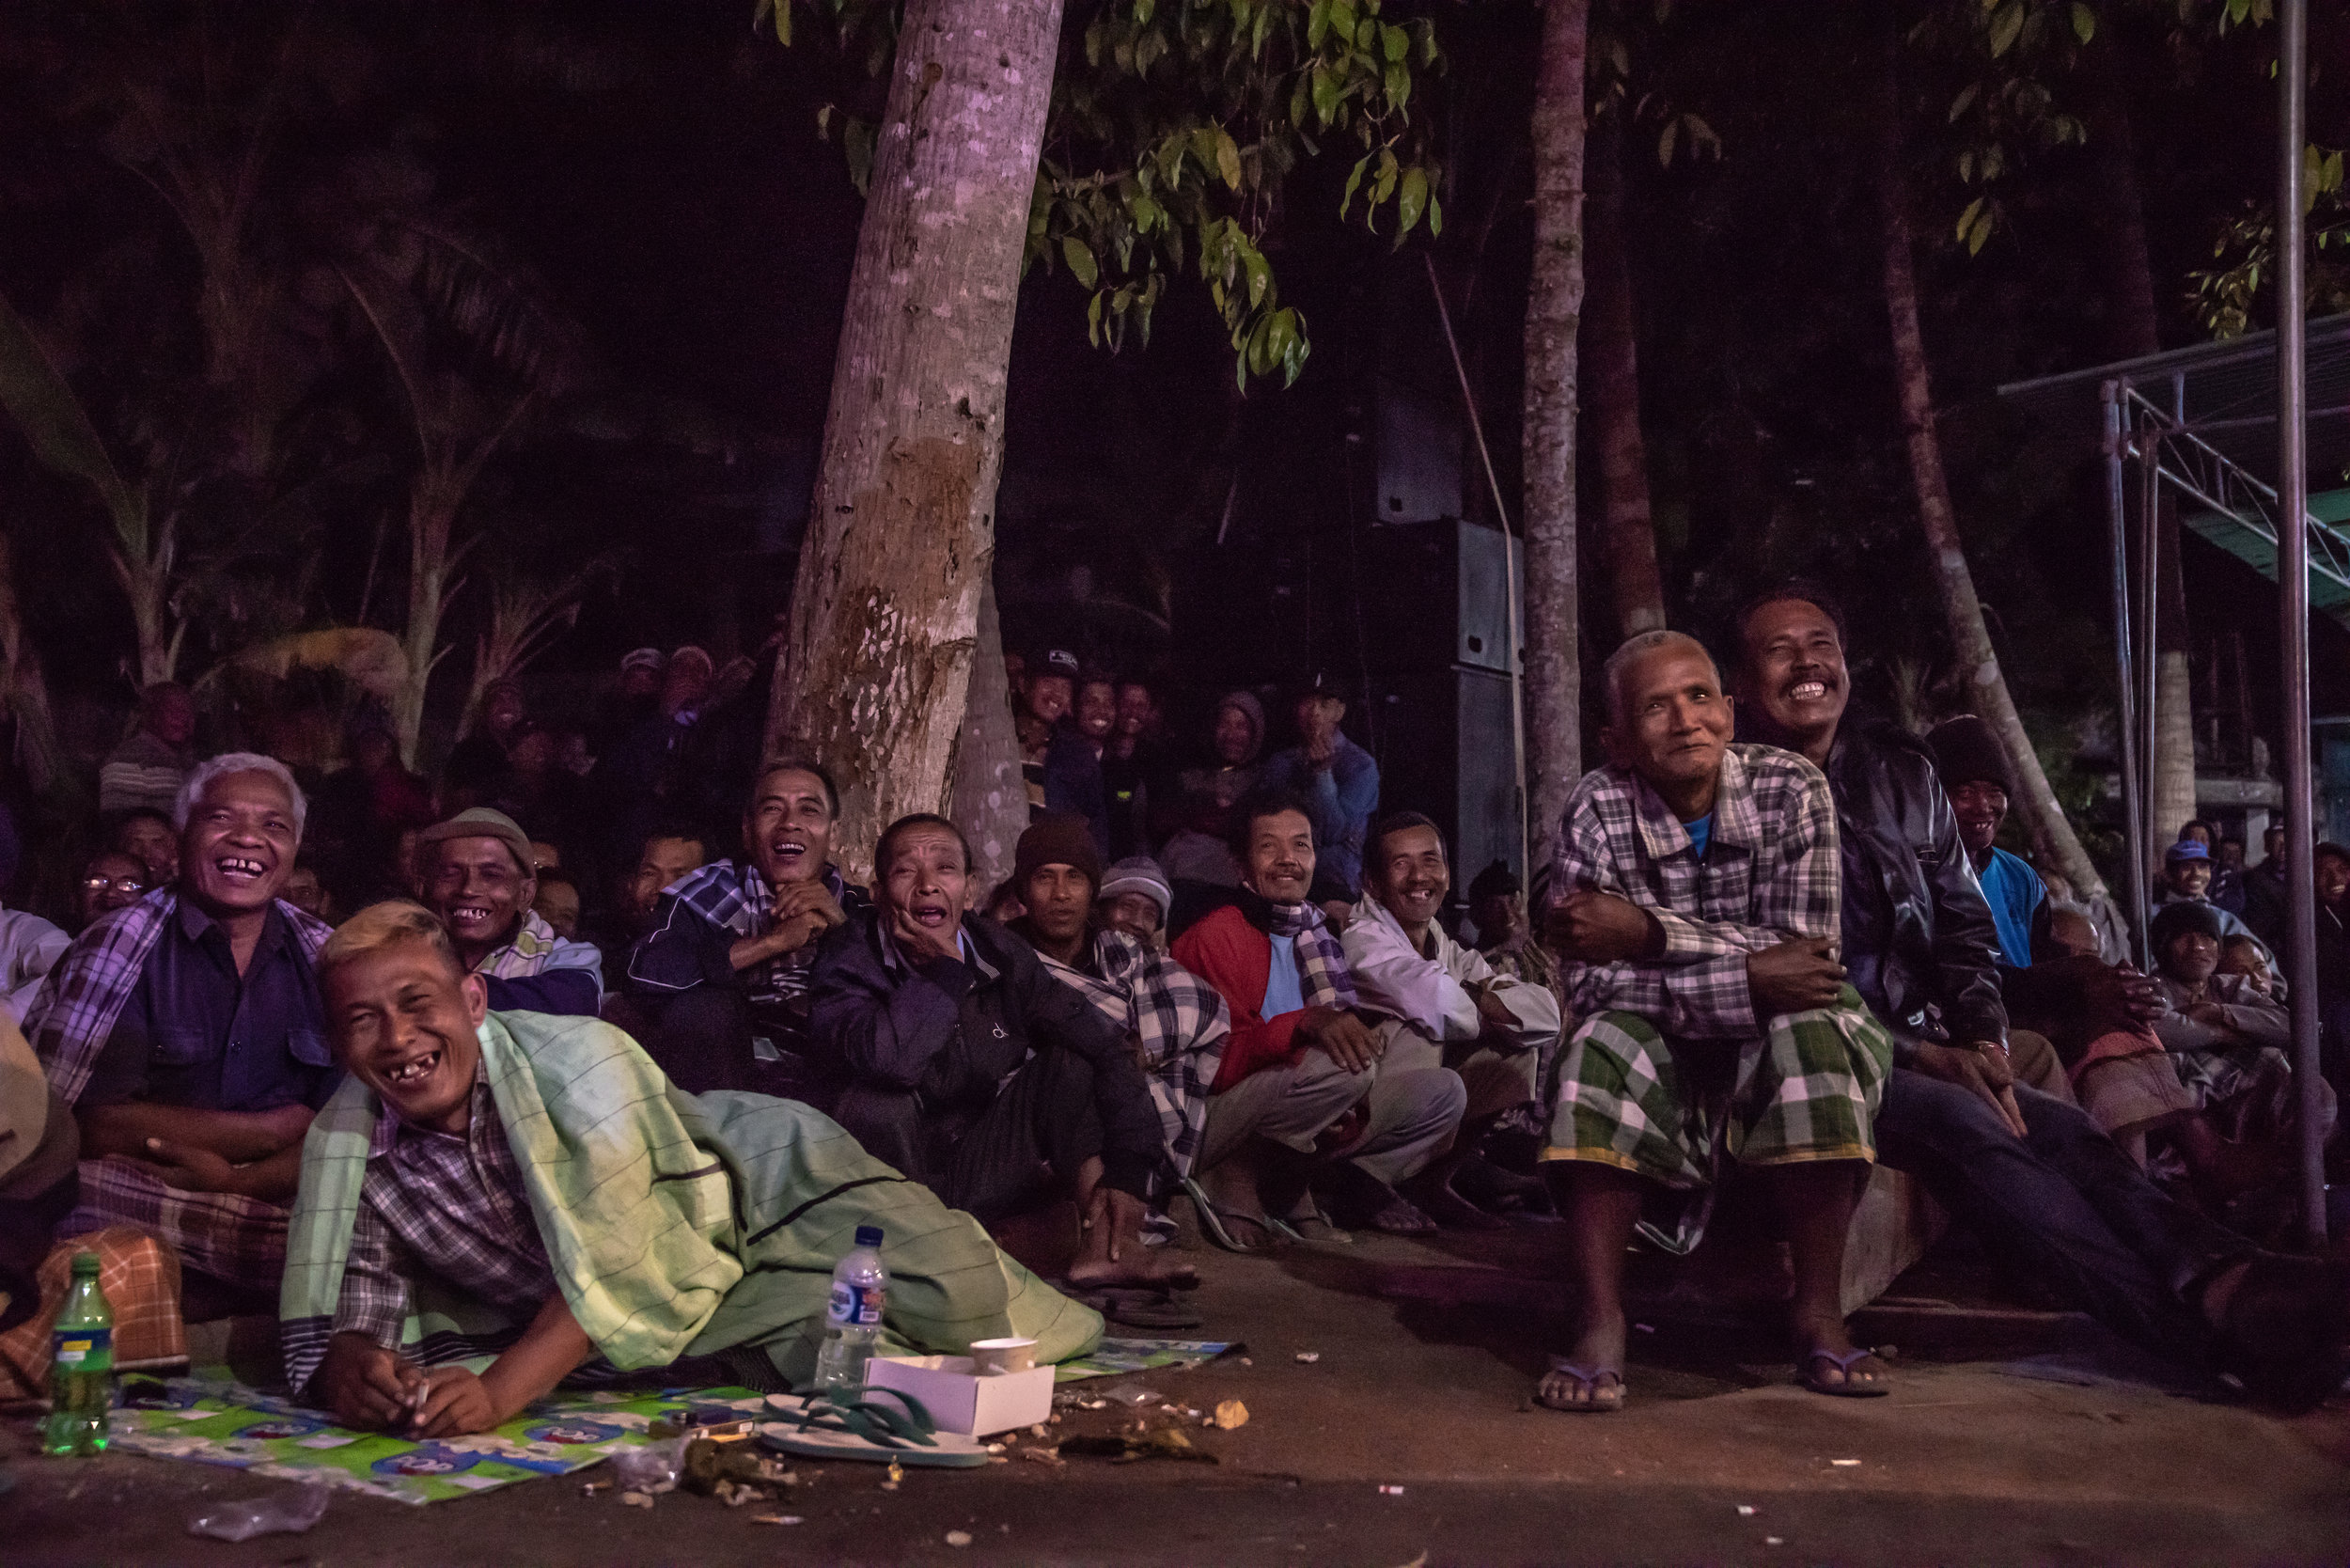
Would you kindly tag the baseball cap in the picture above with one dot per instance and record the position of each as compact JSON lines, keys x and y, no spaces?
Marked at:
{"x":2186,"y":848}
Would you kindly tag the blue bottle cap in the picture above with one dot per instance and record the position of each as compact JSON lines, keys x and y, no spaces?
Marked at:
{"x":868,"y":1235}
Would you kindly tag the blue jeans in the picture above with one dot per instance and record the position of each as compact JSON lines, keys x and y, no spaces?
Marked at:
{"x":2065,"y":1206}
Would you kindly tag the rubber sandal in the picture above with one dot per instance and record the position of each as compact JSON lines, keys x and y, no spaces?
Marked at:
{"x":1135,"y":1308}
{"x":1807,"y":1375}
{"x":855,"y":1423}
{"x":1589,"y":1377}
{"x":1216,"y":1222}
{"x":1312,"y":1226}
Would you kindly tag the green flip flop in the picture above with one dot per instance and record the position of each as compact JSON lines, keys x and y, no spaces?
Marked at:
{"x":852,"y":1422}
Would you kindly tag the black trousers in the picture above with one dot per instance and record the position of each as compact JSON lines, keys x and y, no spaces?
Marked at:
{"x":2064,"y":1204}
{"x":702,"y":1039}
{"x":993,"y":1162}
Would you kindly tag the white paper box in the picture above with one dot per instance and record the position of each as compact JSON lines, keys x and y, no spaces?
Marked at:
{"x":960,"y":1401}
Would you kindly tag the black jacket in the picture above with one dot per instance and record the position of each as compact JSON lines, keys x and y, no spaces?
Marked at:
{"x":1919,"y":939}
{"x":952,"y":1033}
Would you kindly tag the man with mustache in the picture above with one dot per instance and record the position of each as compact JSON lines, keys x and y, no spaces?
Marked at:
{"x":532,"y":1190}
{"x":1695,"y":900}
{"x":1300,"y":1093}
{"x":480,"y":878}
{"x":186,"y":1033}
{"x":960,"y":1061}
{"x":1436,"y":1003}
{"x":2030,"y":1172}
{"x":726,"y":962}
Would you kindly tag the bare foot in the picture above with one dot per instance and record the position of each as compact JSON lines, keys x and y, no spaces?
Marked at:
{"x":1136,"y":1265}
{"x":1599,"y":1353}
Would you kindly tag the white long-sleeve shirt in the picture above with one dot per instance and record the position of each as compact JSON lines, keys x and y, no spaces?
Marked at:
{"x":29,"y":948}
{"x":1432,"y":990}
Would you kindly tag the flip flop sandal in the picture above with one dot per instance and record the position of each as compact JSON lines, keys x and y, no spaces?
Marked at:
{"x":1217,"y":1223}
{"x":1592,"y":1405}
{"x":1808,"y":1374}
{"x":1311,"y":1227}
{"x":1136,"y":1307}
{"x":853,"y":1423}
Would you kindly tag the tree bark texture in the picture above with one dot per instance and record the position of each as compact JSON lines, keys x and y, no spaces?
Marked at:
{"x":431,"y":520}
{"x":2044,"y":819}
{"x":2134,"y":325}
{"x":1554,"y":309}
{"x":900,"y":533}
{"x":1614,"y":368}
{"x":988,"y":796}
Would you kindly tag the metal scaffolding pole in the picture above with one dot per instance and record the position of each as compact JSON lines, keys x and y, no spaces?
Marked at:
{"x":2293,"y":580}
{"x":2133,"y":806}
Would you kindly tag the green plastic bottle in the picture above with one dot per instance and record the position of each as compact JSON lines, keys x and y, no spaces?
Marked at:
{"x":82,"y":1374}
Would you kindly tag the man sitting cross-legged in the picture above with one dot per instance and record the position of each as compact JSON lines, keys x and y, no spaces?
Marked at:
{"x":479,"y":879}
{"x":1299,"y":1095}
{"x":1436,"y":1003}
{"x":725,"y":964}
{"x":516,"y":1199}
{"x":960,"y":1061}
{"x":185,"y":1033}
{"x":1696,"y":896}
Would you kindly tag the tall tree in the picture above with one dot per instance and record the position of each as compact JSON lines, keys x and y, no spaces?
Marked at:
{"x":1554,"y":309}
{"x":901,"y":535}
{"x":1611,"y":349}
{"x":2044,"y":819}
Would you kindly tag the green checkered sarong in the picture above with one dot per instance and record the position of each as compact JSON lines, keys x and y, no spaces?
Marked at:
{"x":1673,"y":1111}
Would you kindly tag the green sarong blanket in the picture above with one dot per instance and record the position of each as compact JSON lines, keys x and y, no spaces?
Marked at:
{"x":678,"y":1225}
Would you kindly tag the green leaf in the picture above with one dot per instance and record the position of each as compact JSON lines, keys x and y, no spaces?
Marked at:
{"x":1398,"y":82}
{"x":1301,"y":100}
{"x":1142,"y":12}
{"x":2084,"y":22}
{"x":1343,"y":19}
{"x":781,"y":11}
{"x":1384,"y":186}
{"x":2005,"y":24}
{"x":1353,"y":178}
{"x":1966,"y":219}
{"x":1093,"y":320}
{"x":1328,"y":91}
{"x":1965,"y":100}
{"x":1317,"y":24}
{"x":1228,"y":158}
{"x":1982,"y":232}
{"x":1665,"y":142}
{"x":1394,"y":42}
{"x":1080,"y":258}
{"x":1435,"y":215}
{"x":1259,"y":273}
{"x":1411,"y":201}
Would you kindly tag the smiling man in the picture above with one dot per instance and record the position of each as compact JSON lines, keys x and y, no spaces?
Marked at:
{"x":1437,"y":1004}
{"x":479,"y":879}
{"x":723,"y":970}
{"x":185,"y":1030}
{"x":965,"y":1064}
{"x":1695,"y":902}
{"x":495,"y":1203}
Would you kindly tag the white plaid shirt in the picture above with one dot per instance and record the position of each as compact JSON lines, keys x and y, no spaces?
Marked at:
{"x":1770,"y":874}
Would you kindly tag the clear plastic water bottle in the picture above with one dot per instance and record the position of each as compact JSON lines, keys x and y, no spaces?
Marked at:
{"x":853,"y":1323}
{"x":82,"y":1370}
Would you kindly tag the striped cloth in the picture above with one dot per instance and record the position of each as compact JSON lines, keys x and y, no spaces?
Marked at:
{"x":678,"y":1225}
{"x":734,"y":896}
{"x":140,"y":1279}
{"x":224,"y":1235}
{"x":1176,"y":1021}
{"x":1807,"y":1088}
{"x":1322,"y":972}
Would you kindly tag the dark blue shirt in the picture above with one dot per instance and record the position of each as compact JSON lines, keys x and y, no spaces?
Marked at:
{"x":194,"y":1033}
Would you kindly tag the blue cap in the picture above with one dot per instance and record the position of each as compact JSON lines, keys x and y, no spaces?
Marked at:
{"x":2186,"y":848}
{"x":868,"y":1235}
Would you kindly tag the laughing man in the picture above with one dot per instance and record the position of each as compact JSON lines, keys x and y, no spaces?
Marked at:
{"x":480,"y":878}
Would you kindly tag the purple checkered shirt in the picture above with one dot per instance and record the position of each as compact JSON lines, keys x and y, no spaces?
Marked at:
{"x":1770,"y":874}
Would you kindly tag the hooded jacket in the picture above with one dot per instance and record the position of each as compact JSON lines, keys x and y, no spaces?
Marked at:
{"x":1918,"y":940}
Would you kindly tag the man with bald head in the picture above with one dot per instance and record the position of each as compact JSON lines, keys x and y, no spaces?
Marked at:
{"x":1696,"y":898}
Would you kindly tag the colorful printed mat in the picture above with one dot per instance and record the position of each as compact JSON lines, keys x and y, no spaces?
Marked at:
{"x":1116,"y":1358}
{"x":228,"y":1423}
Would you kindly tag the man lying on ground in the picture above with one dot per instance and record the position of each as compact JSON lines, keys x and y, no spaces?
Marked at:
{"x":1432,"y":1002}
{"x":1174,"y":1022}
{"x":480,"y":878}
{"x":726,"y":962}
{"x":961,"y":1062}
{"x":1302,"y":1060}
{"x":1695,"y":900}
{"x":2048,"y":1193}
{"x":186,"y":1033}
{"x":530,"y":1192}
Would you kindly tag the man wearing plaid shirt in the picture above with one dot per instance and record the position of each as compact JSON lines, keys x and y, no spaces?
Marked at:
{"x":1697,"y":888}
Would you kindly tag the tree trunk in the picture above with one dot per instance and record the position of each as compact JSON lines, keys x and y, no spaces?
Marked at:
{"x":1614,"y":368}
{"x":431,"y":517}
{"x":1554,"y":308}
{"x":2044,"y":820}
{"x":988,"y":796}
{"x":885,"y":611}
{"x":2135,"y":329}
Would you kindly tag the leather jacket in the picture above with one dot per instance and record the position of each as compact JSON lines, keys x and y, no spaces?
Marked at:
{"x":1917,"y":937}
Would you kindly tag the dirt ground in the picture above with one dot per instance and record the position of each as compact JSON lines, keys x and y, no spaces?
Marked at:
{"x":2014,"y":1436}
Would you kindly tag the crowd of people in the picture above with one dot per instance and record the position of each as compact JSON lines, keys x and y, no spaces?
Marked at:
{"x":592,"y":1060}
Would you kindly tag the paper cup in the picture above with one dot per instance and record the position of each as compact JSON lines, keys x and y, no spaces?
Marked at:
{"x":993,"y":1357}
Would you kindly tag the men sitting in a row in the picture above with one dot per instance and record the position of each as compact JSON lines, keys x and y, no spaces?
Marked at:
{"x":186,"y":1032}
{"x":1696,"y":892}
{"x":2044,"y":1188}
{"x":724,"y":968}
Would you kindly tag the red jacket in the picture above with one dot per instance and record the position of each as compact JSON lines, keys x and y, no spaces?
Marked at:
{"x":1236,"y":958}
